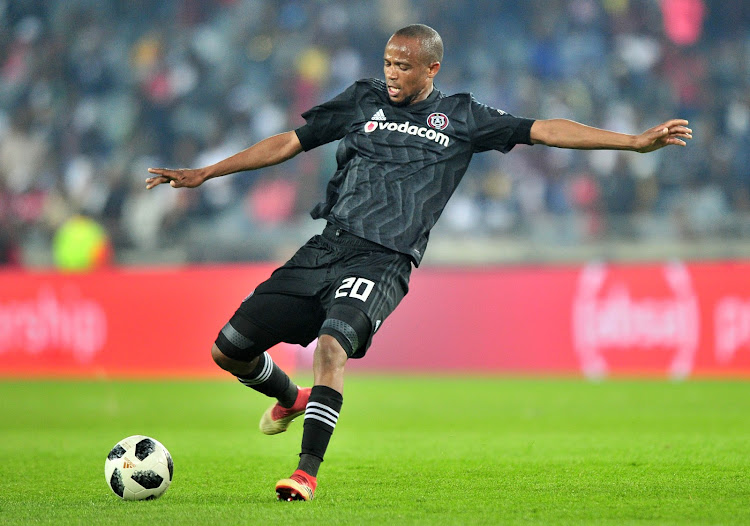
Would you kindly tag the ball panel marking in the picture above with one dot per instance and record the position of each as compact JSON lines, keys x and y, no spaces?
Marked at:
{"x":148,"y":479}
{"x":116,"y":483}
{"x":117,"y":452}
{"x":144,"y":448}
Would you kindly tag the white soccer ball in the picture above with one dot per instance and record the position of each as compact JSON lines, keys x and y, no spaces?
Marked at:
{"x":138,"y":468}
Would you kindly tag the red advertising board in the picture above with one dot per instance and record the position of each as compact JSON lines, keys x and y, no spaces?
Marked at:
{"x":119,"y":322}
{"x":666,"y":320}
{"x":672,"y":320}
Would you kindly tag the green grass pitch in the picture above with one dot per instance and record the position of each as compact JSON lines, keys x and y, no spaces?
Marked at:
{"x":407,"y":450}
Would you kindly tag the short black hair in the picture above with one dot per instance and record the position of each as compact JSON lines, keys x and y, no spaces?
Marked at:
{"x":432,"y":44}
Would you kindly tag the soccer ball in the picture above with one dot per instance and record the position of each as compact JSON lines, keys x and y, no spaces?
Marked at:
{"x":138,"y":468}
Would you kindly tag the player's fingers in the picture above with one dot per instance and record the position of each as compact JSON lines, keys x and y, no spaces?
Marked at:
{"x":162,"y":178}
{"x":164,"y":172}
{"x":182,"y":178}
{"x":674,"y":122}
{"x":156,"y":181}
{"x":681,"y":131}
{"x":163,"y":175}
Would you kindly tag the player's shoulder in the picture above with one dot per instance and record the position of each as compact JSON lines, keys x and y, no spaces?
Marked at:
{"x":371,"y":84}
{"x":468,"y":100}
{"x":464,"y":97}
{"x":368,"y":88}
{"x":456,"y":102}
{"x":457,"y":99}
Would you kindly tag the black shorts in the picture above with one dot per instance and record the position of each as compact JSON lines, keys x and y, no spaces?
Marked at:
{"x":334,"y":268}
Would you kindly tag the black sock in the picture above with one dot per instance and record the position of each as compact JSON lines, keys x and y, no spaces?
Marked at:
{"x":321,"y":415}
{"x":310,"y":464}
{"x":269,"y":379}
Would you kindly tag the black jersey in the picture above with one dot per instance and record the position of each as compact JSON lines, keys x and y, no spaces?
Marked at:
{"x":399,"y":165}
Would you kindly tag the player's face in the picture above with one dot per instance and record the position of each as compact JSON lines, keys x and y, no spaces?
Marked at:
{"x":408,"y":76}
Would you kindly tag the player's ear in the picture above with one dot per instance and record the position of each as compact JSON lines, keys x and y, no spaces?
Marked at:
{"x":433,"y":69}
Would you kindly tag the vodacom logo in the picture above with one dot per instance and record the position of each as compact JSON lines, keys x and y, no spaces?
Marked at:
{"x":635,"y":322}
{"x":410,"y":129}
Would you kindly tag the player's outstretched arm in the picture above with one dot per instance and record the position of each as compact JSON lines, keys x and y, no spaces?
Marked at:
{"x":270,"y":151}
{"x":564,"y":133}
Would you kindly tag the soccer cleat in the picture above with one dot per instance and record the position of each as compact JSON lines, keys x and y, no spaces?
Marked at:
{"x":300,"y":486}
{"x":277,"y":418}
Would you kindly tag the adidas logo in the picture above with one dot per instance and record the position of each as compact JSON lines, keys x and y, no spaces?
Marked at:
{"x":127,"y":464}
{"x":379,"y":115}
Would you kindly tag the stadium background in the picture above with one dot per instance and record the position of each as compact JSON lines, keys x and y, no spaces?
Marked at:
{"x":93,"y":92}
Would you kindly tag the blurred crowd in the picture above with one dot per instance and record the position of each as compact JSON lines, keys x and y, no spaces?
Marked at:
{"x":92,"y":92}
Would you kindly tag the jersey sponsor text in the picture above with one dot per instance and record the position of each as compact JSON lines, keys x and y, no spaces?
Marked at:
{"x":408,"y":128}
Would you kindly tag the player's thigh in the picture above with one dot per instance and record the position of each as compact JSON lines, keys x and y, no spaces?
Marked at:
{"x":363,"y":296}
{"x":263,"y":320}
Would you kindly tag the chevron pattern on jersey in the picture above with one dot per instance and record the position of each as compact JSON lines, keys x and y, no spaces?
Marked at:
{"x":395,"y":173}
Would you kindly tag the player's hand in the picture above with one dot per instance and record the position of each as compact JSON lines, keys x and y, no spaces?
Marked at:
{"x":183,"y":178}
{"x":674,"y":131}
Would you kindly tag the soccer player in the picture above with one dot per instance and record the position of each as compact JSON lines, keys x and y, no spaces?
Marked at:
{"x":404,"y":148}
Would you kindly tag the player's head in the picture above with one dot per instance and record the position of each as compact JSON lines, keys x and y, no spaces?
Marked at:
{"x":410,"y":62}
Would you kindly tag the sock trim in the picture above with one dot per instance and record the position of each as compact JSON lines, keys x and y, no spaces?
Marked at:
{"x":264,"y":374}
{"x":325,"y":408}
{"x":322,"y":413}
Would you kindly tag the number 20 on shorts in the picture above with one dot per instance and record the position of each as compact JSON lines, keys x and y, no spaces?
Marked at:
{"x":358,"y":288}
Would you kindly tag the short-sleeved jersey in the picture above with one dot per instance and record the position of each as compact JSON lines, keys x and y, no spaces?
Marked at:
{"x":399,"y":165}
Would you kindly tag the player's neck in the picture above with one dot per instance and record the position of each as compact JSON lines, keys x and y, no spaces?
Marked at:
{"x":423,"y":96}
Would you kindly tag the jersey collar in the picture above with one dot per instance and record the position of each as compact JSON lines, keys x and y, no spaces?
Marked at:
{"x":422,"y":103}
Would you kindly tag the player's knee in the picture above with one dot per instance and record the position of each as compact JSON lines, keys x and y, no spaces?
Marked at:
{"x":219,"y":358}
{"x":230,"y":364}
{"x":329,"y":353}
{"x":349,"y":327}
{"x":240,"y":341}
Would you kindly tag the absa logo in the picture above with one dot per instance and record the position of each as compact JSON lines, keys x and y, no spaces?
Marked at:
{"x":635,"y":322}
